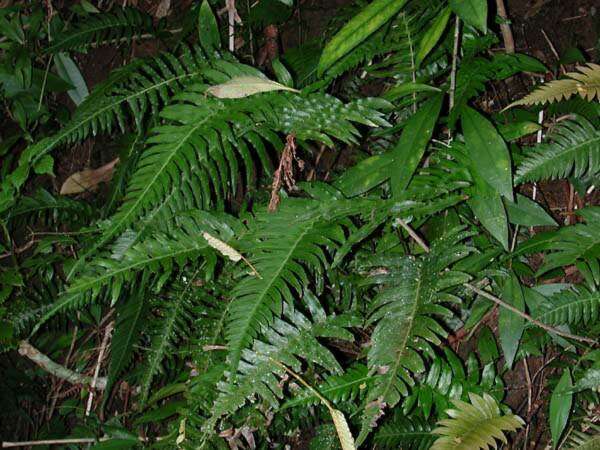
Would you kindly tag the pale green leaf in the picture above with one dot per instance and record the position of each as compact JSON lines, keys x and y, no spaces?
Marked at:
{"x":68,"y":71}
{"x":244,"y":86}
{"x":511,"y":325}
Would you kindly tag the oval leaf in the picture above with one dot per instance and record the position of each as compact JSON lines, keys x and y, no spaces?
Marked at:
{"x":560,"y":406}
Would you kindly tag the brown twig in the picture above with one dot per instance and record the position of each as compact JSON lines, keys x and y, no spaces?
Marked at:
{"x":105,"y":339}
{"x":454,"y":62}
{"x":29,"y":351}
{"x":507,"y":36}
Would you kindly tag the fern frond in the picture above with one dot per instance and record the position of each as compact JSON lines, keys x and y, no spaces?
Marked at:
{"x":571,"y":307}
{"x":193,"y":160}
{"x":409,"y":433}
{"x":567,"y":245}
{"x":585,"y":82}
{"x":44,"y":206}
{"x":134,"y":90}
{"x":175,"y":316}
{"x":573,"y":150}
{"x":402,"y":312}
{"x":336,"y":388}
{"x":475,"y":425}
{"x":287,"y":340}
{"x":286,"y":247}
{"x":584,"y":441}
{"x":160,"y":254}
{"x":124,"y":24}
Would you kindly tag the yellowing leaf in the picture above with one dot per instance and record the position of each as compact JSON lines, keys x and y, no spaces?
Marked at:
{"x":222,"y":247}
{"x":88,"y":179}
{"x":245,"y":86}
{"x":343,"y":430}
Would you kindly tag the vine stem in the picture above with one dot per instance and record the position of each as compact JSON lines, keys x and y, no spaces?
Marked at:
{"x":105,"y":339}
{"x":454,"y":61}
{"x":498,"y":300}
{"x":507,"y":36}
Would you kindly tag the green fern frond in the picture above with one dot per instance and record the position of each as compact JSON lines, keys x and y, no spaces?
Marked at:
{"x":573,"y":150}
{"x":160,"y":254}
{"x":134,"y":90}
{"x":475,"y":425}
{"x":286,"y":248}
{"x":408,"y":433}
{"x":585,"y":82}
{"x":124,"y":24}
{"x":402,"y":312}
{"x":194,"y":159}
{"x":571,"y":307}
{"x":286,"y":341}
{"x":567,"y":245}
{"x":44,"y":206}
{"x":175,"y":316}
{"x":584,"y":441}
{"x":336,"y":388}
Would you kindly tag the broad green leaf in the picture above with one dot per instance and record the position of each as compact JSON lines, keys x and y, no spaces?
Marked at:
{"x":244,"y":86}
{"x":514,"y":130}
{"x":528,"y":213}
{"x":511,"y":325}
{"x":68,"y":71}
{"x":432,"y":36}
{"x":88,"y":7}
{"x":560,"y":406}
{"x":360,"y":27}
{"x":208,"y":30}
{"x":487,"y":206}
{"x":488,"y":152}
{"x":410,"y":148}
{"x":473,"y":12}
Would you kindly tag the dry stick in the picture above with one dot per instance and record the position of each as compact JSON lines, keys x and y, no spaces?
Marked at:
{"x":107,"y":333}
{"x":499,"y":301}
{"x":454,"y":61}
{"x":50,"y":442}
{"x":231,"y":23}
{"x":507,"y":36}
{"x":28,"y":350}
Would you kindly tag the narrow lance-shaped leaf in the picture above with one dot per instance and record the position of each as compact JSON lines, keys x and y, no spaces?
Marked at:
{"x":208,"y":30}
{"x":433,"y":35}
{"x":510,"y":324}
{"x":488,"y":152}
{"x":560,"y":406}
{"x":365,"y":23}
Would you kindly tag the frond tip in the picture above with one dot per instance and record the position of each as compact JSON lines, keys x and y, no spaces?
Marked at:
{"x":585,"y":82}
{"x":474,"y":425}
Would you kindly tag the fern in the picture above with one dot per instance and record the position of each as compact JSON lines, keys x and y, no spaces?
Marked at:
{"x":568,"y":245}
{"x":585,"y":82}
{"x":137,"y":89}
{"x":573,"y":150}
{"x":402,"y":315}
{"x":285,"y":341}
{"x":159,"y":254}
{"x":45,"y":207}
{"x":474,"y":425}
{"x":578,"y":440}
{"x":193,"y":161}
{"x":409,"y":433}
{"x":176,"y":314}
{"x":571,"y":307}
{"x":336,"y":388}
{"x":286,"y":247}
{"x":105,"y":28}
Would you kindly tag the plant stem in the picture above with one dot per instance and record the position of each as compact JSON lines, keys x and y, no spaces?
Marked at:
{"x":29,"y":351}
{"x":105,"y":339}
{"x":454,"y":61}
{"x":507,"y":36}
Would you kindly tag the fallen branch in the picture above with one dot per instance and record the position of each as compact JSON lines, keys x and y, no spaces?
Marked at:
{"x":29,"y":351}
{"x":49,"y":442}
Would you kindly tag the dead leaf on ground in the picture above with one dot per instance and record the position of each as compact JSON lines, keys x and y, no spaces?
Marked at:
{"x":89,"y":179}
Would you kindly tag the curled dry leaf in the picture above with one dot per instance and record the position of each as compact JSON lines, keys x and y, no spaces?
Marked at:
{"x":89,"y":179}
{"x":222,"y":247}
{"x":244,"y":86}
